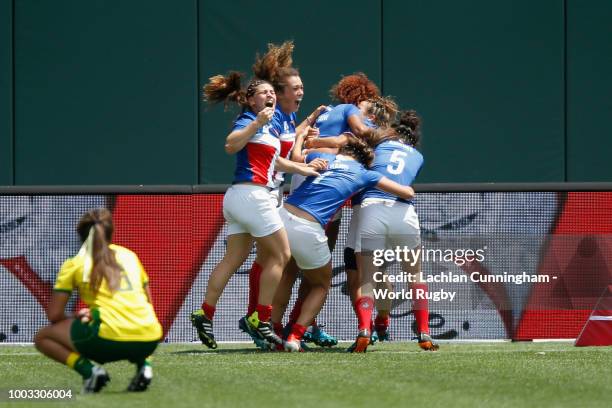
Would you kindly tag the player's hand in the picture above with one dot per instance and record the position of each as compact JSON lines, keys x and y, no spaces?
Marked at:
{"x":84,"y":315}
{"x":312,"y":132}
{"x":312,"y":118}
{"x":264,"y":116}
{"x":318,"y":164}
{"x":308,"y":171}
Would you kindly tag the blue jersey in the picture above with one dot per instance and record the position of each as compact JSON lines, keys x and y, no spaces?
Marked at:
{"x":286,"y":124}
{"x":396,"y":161}
{"x":334,"y":120}
{"x":255,"y":162}
{"x":322,"y":196}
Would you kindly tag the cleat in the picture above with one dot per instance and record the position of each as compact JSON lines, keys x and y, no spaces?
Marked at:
{"x":373,"y":338}
{"x":316,"y":335}
{"x":204,"y":327}
{"x":292,"y":345}
{"x":259,"y":341}
{"x":263,"y":329}
{"x":382,"y":333}
{"x":99,"y":378}
{"x":287,"y":333}
{"x":427,"y":343}
{"x":361,"y":343}
{"x":142,"y":379}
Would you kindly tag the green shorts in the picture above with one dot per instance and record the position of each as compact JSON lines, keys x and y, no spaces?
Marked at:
{"x":85,"y":339}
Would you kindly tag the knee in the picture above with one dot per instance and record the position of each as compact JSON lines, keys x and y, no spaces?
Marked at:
{"x":283,"y":256}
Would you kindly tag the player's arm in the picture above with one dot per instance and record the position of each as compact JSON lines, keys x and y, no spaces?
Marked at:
{"x":57,"y":305}
{"x":357,"y":126}
{"x":304,"y":169}
{"x":297,"y":154}
{"x":390,"y":186}
{"x":238,"y":138}
{"x":310,"y":120}
{"x":332,"y":142}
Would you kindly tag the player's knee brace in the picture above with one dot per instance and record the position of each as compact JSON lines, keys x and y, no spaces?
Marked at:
{"x":350,"y":261}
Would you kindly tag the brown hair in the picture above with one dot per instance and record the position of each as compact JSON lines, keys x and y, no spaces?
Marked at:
{"x":105,"y":265}
{"x":354,"y":89}
{"x":405,"y":129}
{"x":408,"y":127}
{"x":228,"y":89}
{"x":384,"y":110}
{"x":359,"y":150}
{"x":276,"y":65}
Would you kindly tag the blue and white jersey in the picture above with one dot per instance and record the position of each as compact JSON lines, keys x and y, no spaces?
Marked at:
{"x":255,"y":162}
{"x":322,"y":196}
{"x":396,"y":161}
{"x":286,"y":124}
{"x":334,"y":120}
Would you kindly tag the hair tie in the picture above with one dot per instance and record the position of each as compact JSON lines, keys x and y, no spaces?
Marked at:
{"x":86,"y":253}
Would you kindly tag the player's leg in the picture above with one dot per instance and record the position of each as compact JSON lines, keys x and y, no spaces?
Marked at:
{"x":383,"y":311}
{"x":320,"y":280}
{"x":405,"y":232}
{"x":283,"y":295}
{"x":364,"y":304}
{"x":142,"y":358}
{"x":371,"y":235}
{"x":238,"y":249}
{"x":56,"y":341}
{"x":315,"y":333}
{"x":275,"y":253}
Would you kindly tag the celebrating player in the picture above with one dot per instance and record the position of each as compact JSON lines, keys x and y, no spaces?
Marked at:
{"x":308,"y":209}
{"x":276,"y":67}
{"x":389,"y":221}
{"x":352,"y":91}
{"x":119,"y":323}
{"x":247,"y":208}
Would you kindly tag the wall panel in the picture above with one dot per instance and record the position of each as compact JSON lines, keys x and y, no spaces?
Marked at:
{"x":487,"y":78}
{"x":106,"y":92}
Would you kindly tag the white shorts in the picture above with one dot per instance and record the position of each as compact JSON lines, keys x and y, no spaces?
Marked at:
{"x":249,"y":209}
{"x":387,"y":224}
{"x":351,"y":237}
{"x":307,"y":241}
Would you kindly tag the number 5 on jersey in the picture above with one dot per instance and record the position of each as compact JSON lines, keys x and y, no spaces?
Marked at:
{"x":397,"y":162}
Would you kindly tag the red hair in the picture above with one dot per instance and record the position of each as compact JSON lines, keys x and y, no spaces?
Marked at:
{"x":354,"y":89}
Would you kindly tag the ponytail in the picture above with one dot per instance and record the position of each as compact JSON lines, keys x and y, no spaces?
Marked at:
{"x":96,"y":229}
{"x":276,"y":65}
{"x":225,"y":89}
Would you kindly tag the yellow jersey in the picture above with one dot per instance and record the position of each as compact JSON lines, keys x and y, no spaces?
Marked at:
{"x":125,"y":315}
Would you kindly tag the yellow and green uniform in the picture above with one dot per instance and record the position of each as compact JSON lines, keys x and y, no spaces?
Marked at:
{"x":125,"y":316}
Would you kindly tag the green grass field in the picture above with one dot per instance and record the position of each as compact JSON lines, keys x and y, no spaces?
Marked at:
{"x":390,"y":375}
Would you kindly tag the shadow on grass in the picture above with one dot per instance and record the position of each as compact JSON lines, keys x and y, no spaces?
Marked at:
{"x":220,"y":351}
{"x":318,"y":350}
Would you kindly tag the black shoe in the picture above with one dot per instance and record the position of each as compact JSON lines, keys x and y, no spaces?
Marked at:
{"x":142,"y":379}
{"x":99,"y":378}
{"x":264,"y":329}
{"x":204,"y":327}
{"x":259,"y":341}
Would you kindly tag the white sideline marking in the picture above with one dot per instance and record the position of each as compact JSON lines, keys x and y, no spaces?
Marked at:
{"x":600,"y":318}
{"x":21,"y":354}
